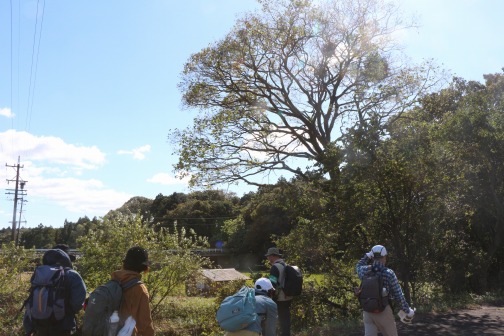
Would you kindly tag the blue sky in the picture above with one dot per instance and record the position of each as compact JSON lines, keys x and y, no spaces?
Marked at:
{"x":88,"y":90}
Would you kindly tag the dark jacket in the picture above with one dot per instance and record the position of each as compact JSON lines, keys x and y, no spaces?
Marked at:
{"x":75,"y":288}
{"x":277,"y":278}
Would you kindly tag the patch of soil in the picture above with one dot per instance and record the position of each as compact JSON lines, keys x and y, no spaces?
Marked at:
{"x":482,"y":321}
{"x":485,"y":320}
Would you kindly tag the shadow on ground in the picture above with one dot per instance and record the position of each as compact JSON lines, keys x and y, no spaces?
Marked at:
{"x":481,"y":321}
{"x":484,"y":321}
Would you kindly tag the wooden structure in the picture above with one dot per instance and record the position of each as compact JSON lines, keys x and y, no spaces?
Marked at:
{"x":207,"y":281}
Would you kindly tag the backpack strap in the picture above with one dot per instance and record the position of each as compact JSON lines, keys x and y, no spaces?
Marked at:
{"x":131,"y":283}
{"x":128,"y":284}
{"x":281,"y":276}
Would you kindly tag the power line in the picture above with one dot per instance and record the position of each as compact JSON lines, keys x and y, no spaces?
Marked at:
{"x":31,"y":92}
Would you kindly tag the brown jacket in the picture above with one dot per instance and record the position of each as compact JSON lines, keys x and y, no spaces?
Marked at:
{"x":135,"y":303}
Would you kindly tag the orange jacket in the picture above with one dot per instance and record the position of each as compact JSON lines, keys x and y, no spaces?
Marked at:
{"x":135,"y":303}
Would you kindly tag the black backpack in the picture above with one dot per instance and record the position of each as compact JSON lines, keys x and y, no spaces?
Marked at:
{"x":370,"y":292}
{"x":293,"y":281}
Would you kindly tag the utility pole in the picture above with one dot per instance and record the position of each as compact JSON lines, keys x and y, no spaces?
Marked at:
{"x":17,"y":194}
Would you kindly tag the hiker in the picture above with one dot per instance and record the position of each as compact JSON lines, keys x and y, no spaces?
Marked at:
{"x":265,"y":308}
{"x":73,"y":295}
{"x":136,"y":298}
{"x":277,"y":272}
{"x":382,"y":321}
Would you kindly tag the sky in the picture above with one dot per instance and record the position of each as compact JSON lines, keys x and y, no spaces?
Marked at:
{"x":88,"y":91}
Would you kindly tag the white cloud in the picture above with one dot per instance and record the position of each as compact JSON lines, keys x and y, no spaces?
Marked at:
{"x":52,"y":169}
{"x":48,"y":150}
{"x":6,"y":112}
{"x":167,"y":179}
{"x":77,"y":195}
{"x":137,"y":153}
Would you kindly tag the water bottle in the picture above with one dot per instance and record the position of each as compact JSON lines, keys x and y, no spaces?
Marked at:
{"x":113,"y":324}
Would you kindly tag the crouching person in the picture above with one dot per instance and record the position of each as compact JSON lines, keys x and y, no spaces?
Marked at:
{"x":266,"y":309}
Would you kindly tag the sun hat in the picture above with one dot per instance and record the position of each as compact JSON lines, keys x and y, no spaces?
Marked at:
{"x":379,"y":251}
{"x":273,"y":251}
{"x":263,"y":284}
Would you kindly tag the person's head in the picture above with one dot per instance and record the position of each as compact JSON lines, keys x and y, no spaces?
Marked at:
{"x":273,"y":254}
{"x":137,"y":260}
{"x":65,"y":248}
{"x":379,"y":253}
{"x":264,"y":285}
{"x":56,"y":257}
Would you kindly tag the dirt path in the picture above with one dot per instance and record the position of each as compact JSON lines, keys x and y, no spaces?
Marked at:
{"x":482,"y":321}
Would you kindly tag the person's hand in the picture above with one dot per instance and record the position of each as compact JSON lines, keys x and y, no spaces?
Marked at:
{"x":410,"y":313}
{"x":370,"y":254}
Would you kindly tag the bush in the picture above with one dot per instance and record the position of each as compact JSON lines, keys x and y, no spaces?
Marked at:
{"x":170,"y":254}
{"x":16,"y":264}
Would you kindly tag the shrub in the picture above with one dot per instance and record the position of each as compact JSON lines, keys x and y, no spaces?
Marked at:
{"x":170,"y":254}
{"x":14,"y":284}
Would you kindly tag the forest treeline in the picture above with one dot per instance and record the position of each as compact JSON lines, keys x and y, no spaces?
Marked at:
{"x":432,"y":191}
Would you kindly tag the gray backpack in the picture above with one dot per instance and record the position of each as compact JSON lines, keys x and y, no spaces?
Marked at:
{"x":102,"y":302}
{"x":45,"y":304}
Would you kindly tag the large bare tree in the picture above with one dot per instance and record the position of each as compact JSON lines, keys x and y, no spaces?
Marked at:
{"x":282,"y":90}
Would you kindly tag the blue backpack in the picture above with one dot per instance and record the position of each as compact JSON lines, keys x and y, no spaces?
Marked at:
{"x":46,"y":303}
{"x":238,"y":311}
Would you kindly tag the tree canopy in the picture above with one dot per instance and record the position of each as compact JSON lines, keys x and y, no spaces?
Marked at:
{"x":287,"y":84}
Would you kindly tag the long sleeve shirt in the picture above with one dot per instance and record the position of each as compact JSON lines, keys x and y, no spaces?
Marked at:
{"x":389,"y":280}
{"x":266,"y":308}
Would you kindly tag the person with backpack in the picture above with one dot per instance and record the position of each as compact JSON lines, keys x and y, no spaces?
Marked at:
{"x":283,"y":301}
{"x":57,"y":294}
{"x":379,"y":286}
{"x":135,"y":299}
{"x":264,"y":317}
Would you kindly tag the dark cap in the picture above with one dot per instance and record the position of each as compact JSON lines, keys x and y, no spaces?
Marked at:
{"x":65,"y":248}
{"x":56,"y":257}
{"x":273,"y":251}
{"x":137,"y":256}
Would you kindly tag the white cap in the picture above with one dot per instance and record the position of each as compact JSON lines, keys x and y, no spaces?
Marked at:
{"x":379,"y":251}
{"x":263,"y":284}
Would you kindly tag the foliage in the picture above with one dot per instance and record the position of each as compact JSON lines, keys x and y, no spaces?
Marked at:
{"x":204,"y":212}
{"x":16,"y":263}
{"x":283,"y":87}
{"x":104,"y":248}
{"x":271,"y":213}
{"x":39,"y":237}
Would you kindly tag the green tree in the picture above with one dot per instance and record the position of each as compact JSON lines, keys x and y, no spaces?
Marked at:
{"x":204,"y":212}
{"x":162,"y":204}
{"x":284,"y":86}
{"x":273,"y":212}
{"x":470,"y":144}
{"x":38,"y":237}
